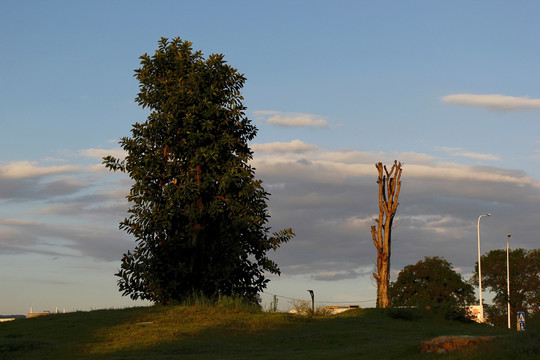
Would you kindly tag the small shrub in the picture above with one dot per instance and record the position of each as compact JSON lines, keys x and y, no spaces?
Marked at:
{"x":451,"y":311}
{"x":408,"y":314}
{"x":457,"y":313}
{"x":229,"y":302}
{"x":302,"y":307}
{"x":273,"y":307}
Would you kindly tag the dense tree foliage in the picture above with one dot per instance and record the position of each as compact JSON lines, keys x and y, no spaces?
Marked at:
{"x":524,"y":283}
{"x":431,"y":281}
{"x":198,"y":215}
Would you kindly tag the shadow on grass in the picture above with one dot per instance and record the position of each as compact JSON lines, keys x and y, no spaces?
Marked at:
{"x":53,"y":336}
{"x":198,"y":332}
{"x":193,"y":331}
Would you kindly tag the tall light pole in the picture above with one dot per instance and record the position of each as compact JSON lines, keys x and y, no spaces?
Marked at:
{"x":508,"y":275}
{"x":480,"y":270}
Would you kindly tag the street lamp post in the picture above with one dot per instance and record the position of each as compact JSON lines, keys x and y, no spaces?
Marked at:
{"x":480,"y":270}
{"x":508,"y":275}
{"x":312,"y":301}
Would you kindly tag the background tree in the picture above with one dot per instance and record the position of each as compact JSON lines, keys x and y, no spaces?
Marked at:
{"x":198,"y":215}
{"x":524,"y":283}
{"x":389,"y":188}
{"x":433,"y":282}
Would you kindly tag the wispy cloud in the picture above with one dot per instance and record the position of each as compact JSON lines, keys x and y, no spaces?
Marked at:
{"x":291,"y":119}
{"x":296,"y":146}
{"x":494,"y":102}
{"x":318,"y":168}
{"x":336,"y":275}
{"x":328,"y":197}
{"x":101,"y":153}
{"x":27,"y":169}
{"x":72,"y":240}
{"x":468,"y":154}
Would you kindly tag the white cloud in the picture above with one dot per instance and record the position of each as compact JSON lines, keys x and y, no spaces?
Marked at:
{"x":27,"y":169}
{"x":67,"y":239}
{"x":101,"y":153}
{"x":296,"y":146}
{"x":445,"y":225}
{"x":370,"y":157}
{"x":19,"y":222}
{"x":327,"y":197}
{"x":352,"y":224}
{"x":327,"y":167}
{"x":467,"y":154}
{"x":53,"y":159}
{"x":457,"y":172}
{"x":331,"y":207}
{"x":336,"y":275}
{"x":494,"y":102}
{"x":291,"y":119}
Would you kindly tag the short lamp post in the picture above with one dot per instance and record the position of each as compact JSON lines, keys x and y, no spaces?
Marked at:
{"x":480,"y":270}
{"x":508,"y":275}
{"x":312,"y":301}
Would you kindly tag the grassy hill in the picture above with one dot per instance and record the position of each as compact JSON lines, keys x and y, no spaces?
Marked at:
{"x":205,"y":332}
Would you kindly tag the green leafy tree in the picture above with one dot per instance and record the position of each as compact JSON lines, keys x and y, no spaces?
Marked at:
{"x":198,"y":215}
{"x":433,"y":282}
{"x":524,"y":283}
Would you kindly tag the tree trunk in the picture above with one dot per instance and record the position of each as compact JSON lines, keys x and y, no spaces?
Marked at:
{"x":389,"y":188}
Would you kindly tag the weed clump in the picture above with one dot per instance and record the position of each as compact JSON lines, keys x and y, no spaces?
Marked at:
{"x":228,"y":302}
{"x":408,"y":314}
{"x":302,"y":307}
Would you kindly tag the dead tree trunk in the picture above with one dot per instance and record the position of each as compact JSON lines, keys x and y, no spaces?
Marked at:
{"x":389,"y":187}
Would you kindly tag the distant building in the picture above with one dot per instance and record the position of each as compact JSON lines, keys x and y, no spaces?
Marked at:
{"x":4,"y":318}
{"x":474,"y":312}
{"x":33,"y":314}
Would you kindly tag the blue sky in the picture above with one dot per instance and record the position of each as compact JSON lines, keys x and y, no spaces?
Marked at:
{"x":448,"y":88}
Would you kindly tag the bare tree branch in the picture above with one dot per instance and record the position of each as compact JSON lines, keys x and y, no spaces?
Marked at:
{"x":389,"y":189}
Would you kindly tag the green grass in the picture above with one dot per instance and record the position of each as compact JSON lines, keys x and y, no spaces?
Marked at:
{"x":233,"y":332}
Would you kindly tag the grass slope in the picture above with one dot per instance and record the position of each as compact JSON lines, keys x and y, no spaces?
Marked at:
{"x":204,"y":332}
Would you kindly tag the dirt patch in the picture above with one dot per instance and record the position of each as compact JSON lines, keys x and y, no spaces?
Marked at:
{"x":443,"y":344}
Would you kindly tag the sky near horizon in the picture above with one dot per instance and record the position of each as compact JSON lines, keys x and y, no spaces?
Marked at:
{"x":450,"y":89}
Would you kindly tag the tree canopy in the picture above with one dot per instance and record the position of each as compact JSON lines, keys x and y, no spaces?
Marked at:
{"x":431,"y":281}
{"x":198,"y":215}
{"x":524,"y":282}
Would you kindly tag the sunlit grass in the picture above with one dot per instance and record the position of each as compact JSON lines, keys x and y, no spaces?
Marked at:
{"x":163,"y":325}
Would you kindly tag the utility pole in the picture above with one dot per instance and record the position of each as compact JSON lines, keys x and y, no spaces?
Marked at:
{"x":508,"y":275}
{"x":480,"y":271}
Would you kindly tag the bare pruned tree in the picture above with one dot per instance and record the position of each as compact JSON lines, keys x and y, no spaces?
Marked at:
{"x":389,"y":188}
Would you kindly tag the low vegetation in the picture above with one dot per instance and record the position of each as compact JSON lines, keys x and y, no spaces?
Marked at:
{"x":229,"y":330}
{"x":301,"y":307}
